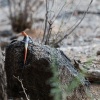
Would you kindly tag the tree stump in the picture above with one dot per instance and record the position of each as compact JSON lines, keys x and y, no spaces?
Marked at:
{"x":37,"y":71}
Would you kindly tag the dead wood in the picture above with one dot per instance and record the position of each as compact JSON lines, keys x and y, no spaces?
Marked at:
{"x":37,"y":71}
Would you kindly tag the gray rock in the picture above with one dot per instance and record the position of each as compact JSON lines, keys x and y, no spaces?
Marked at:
{"x":37,"y":71}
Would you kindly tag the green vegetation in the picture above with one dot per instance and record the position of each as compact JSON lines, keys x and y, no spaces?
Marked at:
{"x":61,"y":91}
{"x":89,"y":62}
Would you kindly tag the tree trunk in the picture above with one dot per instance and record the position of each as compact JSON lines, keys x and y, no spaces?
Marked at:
{"x":37,"y":71}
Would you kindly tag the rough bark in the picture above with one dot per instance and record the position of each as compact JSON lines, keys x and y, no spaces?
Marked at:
{"x":3,"y":95}
{"x":37,"y":71}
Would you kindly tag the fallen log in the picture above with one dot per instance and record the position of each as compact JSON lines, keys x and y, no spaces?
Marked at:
{"x":36,"y":72}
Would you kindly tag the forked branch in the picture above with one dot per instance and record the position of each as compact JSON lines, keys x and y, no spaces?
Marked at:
{"x":75,"y":26}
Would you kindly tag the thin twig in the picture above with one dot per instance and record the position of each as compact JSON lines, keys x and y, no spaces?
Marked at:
{"x":76,"y":25}
{"x":62,"y":21}
{"x":49,"y":33}
{"x":46,"y":21}
{"x":47,"y":37}
{"x":67,"y":20}
{"x":59,"y":12}
{"x":20,"y":80}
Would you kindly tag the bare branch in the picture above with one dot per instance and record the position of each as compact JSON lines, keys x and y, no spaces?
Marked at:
{"x":49,"y":33}
{"x":59,"y":12}
{"x":67,"y":20}
{"x":46,"y":21}
{"x":76,"y":25}
{"x":50,"y":22}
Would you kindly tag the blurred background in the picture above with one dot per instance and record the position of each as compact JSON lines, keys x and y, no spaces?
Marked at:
{"x":70,"y":25}
{"x":18,"y":15}
{"x":63,"y":24}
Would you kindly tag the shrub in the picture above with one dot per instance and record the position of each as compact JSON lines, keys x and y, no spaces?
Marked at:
{"x":21,"y":13}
